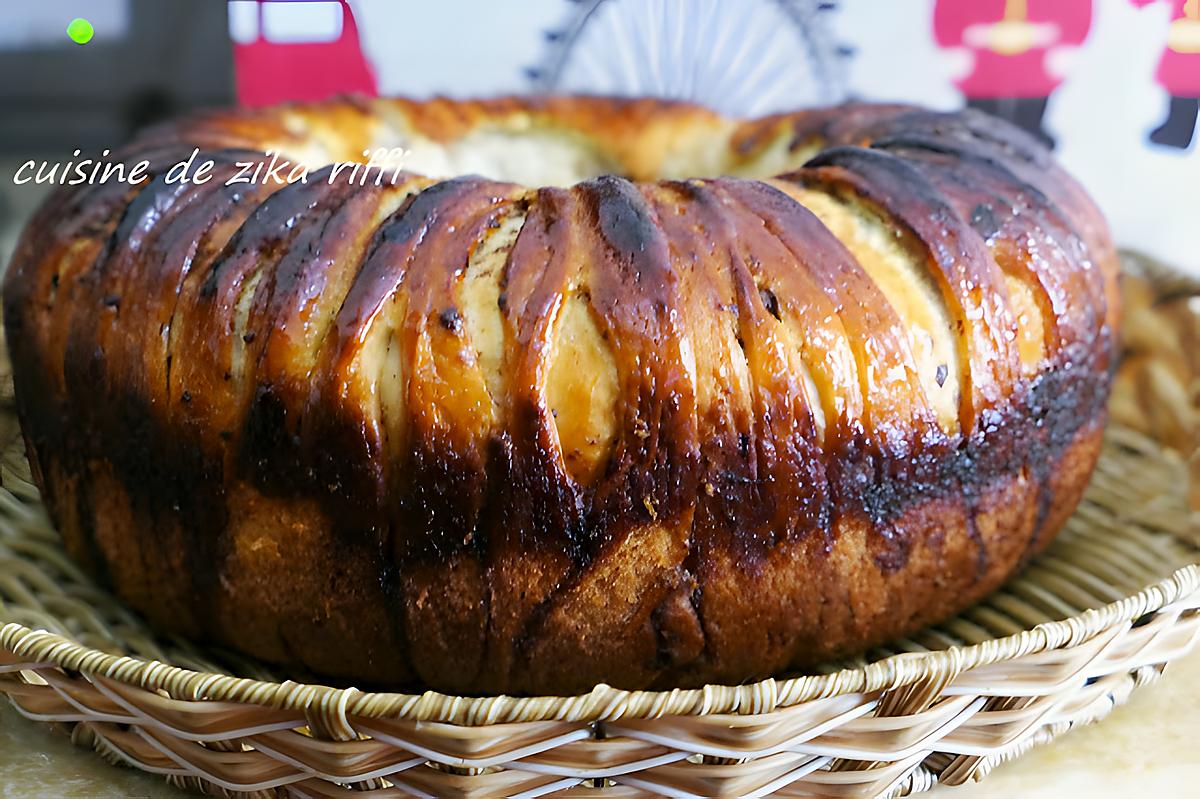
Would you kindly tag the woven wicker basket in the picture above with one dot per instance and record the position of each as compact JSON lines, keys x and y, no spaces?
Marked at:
{"x":1114,"y":600}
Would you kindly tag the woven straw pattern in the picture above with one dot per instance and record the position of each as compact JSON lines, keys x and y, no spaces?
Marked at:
{"x":1114,"y":599}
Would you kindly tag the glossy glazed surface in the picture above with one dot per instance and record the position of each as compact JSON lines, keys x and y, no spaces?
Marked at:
{"x":651,"y":428}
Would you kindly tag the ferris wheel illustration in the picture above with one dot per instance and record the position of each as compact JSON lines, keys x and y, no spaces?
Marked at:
{"x":749,"y":57}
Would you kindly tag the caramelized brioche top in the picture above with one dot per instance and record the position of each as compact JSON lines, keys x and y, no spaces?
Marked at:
{"x":627,"y":313}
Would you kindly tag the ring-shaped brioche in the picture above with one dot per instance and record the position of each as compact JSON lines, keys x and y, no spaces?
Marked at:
{"x":599,"y":416}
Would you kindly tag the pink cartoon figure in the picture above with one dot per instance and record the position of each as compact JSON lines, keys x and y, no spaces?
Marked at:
{"x":1179,"y":74}
{"x":297,"y":50}
{"x":1009,"y":41}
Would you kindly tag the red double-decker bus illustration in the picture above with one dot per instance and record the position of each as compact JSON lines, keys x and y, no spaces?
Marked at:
{"x":297,"y":50}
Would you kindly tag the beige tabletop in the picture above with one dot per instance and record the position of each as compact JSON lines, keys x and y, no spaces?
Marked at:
{"x":1149,"y":748}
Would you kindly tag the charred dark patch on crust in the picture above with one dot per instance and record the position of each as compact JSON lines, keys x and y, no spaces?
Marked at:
{"x":727,"y":486}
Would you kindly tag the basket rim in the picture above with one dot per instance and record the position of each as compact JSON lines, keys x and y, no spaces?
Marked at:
{"x":35,"y":649}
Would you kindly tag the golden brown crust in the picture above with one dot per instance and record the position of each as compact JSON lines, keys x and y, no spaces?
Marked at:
{"x":489,"y":438}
